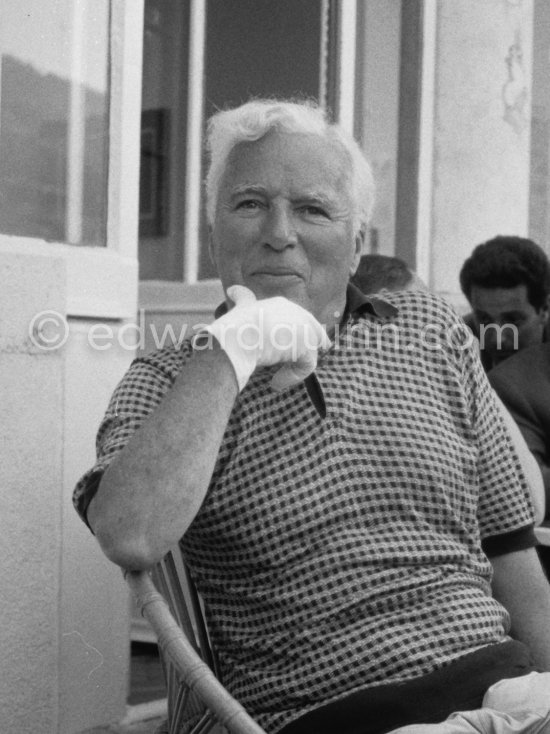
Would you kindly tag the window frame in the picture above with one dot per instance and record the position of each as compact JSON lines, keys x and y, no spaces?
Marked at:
{"x":101,"y":282}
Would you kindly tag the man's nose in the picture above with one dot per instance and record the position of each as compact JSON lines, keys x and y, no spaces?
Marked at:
{"x":279,"y":230}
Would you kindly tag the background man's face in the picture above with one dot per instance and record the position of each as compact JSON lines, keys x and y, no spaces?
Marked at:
{"x":520,"y":323}
{"x":284,"y":222}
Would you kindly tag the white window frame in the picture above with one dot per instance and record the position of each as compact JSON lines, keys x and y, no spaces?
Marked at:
{"x":346,"y":50}
{"x":426,"y":144}
{"x":102,"y":281}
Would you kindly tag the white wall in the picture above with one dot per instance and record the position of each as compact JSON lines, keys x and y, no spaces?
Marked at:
{"x":93,"y":605}
{"x":31,"y":456}
{"x":64,"y":636}
{"x":479,"y":181}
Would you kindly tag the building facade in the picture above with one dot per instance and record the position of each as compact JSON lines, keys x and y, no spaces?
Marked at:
{"x":103,"y":242}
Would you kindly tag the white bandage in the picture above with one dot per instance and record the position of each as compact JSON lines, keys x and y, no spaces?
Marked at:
{"x":267,"y":332}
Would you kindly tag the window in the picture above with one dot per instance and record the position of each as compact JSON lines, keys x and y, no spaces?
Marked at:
{"x":377,"y":114}
{"x":200,"y":56}
{"x":54,"y":119}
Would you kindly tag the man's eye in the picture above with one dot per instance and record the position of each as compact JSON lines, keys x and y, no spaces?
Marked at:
{"x":314,"y":210}
{"x":248,"y":204}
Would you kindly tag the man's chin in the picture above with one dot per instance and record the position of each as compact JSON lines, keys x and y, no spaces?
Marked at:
{"x":290,"y":287}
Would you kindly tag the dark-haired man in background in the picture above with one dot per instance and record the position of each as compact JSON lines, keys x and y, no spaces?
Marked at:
{"x":507,"y":283}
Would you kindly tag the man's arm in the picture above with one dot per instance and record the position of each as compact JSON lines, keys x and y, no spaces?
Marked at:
{"x":155,"y":486}
{"x":529,"y":464}
{"x":153,"y":489}
{"x":532,"y":428}
{"x":520,"y":585}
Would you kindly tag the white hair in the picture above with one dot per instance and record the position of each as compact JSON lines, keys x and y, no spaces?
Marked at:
{"x":254,"y":119}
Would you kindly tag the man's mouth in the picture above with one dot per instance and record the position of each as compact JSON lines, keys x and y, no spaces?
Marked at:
{"x":276,"y":273}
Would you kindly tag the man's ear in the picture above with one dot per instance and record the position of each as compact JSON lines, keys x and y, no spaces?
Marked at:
{"x":358,"y":251}
{"x":545,"y":310}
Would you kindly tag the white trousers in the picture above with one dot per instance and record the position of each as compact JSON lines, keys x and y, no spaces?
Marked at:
{"x":511,"y":706}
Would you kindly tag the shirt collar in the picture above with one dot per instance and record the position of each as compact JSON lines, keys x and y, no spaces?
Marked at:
{"x":356,"y":303}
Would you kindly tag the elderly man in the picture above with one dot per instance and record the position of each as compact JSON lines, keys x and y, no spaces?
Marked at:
{"x":334,"y":466}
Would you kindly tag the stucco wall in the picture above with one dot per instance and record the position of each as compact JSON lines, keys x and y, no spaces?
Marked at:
{"x":31,"y":396}
{"x":481,"y":133}
{"x":94,"y":604}
{"x":64,"y":636}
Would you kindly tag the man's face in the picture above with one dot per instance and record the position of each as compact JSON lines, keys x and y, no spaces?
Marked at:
{"x":284,"y":222}
{"x":506,"y":312}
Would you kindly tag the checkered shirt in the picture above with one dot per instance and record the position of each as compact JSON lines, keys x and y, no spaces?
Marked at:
{"x":341,"y":552}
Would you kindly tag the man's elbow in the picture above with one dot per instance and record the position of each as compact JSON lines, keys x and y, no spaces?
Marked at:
{"x":131,"y":554}
{"x":122,"y":542}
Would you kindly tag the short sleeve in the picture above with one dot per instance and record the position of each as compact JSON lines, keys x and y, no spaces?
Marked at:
{"x":136,"y":396}
{"x":522,"y":412}
{"x":504,"y":497}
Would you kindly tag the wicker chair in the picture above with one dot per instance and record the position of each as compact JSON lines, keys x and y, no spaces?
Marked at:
{"x":197,"y":701}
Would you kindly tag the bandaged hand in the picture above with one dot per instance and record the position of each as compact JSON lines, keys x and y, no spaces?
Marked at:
{"x":268,"y":332}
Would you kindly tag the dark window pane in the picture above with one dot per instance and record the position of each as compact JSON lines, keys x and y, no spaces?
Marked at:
{"x":163,"y":139}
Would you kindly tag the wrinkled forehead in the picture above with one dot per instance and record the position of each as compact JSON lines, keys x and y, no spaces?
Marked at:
{"x":296,"y":160}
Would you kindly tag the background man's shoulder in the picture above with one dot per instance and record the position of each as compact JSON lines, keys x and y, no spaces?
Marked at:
{"x":527,"y":362}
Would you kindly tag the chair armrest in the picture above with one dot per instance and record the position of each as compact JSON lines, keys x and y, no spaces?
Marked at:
{"x":195,"y":673}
